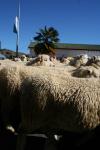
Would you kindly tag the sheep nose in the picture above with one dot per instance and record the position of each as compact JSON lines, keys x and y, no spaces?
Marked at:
{"x":88,"y":71}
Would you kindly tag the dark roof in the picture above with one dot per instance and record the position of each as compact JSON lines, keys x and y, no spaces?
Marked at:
{"x":72,"y":46}
{"x":11,"y":52}
{"x":6,"y":50}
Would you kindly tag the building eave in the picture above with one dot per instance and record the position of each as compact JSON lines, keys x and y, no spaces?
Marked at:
{"x":70,"y":46}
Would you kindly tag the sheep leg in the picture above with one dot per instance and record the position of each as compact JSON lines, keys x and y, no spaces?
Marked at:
{"x":5,"y":116}
{"x":21,"y":142}
{"x":50,"y":143}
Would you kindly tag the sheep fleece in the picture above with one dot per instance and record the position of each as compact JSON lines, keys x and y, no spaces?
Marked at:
{"x":50,"y":102}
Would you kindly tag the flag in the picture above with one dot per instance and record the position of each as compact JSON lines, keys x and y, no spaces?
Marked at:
{"x":16,"y":25}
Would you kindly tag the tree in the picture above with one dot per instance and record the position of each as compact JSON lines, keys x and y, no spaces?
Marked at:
{"x":46,"y":40}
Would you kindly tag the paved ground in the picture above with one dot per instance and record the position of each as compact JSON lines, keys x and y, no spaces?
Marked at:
{"x":9,"y":141}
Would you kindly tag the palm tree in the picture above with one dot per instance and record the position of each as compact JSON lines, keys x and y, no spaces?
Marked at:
{"x":46,"y":40}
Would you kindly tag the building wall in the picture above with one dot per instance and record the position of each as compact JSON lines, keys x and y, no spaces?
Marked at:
{"x":62,"y":52}
{"x":71,"y":53}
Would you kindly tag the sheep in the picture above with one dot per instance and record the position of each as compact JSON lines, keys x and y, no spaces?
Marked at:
{"x":11,"y":77}
{"x":5,"y":62}
{"x":59,"y":105}
{"x":51,"y":104}
{"x":41,"y":60}
{"x":10,"y":81}
{"x":23,"y":58}
{"x":94,"y":61}
{"x":80,"y":60}
{"x":55,"y":103}
{"x":9,"y":94}
{"x":67,"y":60}
{"x":86,"y":72}
{"x":11,"y":63}
{"x":49,"y":100}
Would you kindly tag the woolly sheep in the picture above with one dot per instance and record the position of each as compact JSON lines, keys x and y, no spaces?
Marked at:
{"x":86,"y":72}
{"x":11,"y":77}
{"x":23,"y":58}
{"x":56,"y":103}
{"x":50,"y":99}
{"x":41,"y":60}
{"x":8,"y":79}
{"x":67,"y":60}
{"x":94,"y":61}
{"x":80,"y":60}
{"x":9,"y":93}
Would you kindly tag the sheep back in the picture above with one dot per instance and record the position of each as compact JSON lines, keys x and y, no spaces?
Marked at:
{"x":67,"y":103}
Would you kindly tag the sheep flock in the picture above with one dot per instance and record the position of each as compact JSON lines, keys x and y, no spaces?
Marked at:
{"x":48,"y":95}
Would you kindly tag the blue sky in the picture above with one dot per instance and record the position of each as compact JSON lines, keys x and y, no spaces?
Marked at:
{"x":77,"y":21}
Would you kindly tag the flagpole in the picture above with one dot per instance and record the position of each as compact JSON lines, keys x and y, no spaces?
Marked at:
{"x":17,"y":45}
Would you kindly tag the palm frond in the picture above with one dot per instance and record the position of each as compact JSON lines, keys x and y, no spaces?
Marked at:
{"x":46,"y":39}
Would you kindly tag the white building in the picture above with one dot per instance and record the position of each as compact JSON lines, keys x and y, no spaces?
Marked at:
{"x":64,"y":49}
